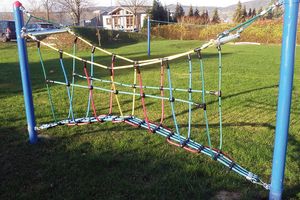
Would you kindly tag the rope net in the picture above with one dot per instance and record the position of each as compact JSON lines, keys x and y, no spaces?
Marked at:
{"x":83,"y":76}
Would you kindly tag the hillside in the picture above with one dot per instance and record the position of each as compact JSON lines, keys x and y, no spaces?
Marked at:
{"x":226,"y":13}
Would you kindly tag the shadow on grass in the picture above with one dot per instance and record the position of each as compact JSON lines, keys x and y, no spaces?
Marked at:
{"x":107,"y":165}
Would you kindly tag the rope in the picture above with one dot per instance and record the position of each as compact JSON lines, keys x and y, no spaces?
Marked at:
{"x":142,"y":94}
{"x":203,"y":98}
{"x":113,"y":86}
{"x":220,"y":97}
{"x":162,"y":93}
{"x":100,"y":49}
{"x":47,"y":85}
{"x":67,"y":84}
{"x":91,"y":83}
{"x":172,"y":99}
{"x":214,"y":93}
{"x":134,"y":91}
{"x":73,"y":72}
{"x":190,"y":97}
{"x":90,"y":87}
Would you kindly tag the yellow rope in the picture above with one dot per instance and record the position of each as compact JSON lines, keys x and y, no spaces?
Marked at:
{"x":116,"y":95}
{"x":134,"y":91}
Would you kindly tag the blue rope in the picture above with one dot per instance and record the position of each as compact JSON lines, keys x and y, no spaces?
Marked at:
{"x":68,"y":88}
{"x":190,"y":96}
{"x":172,"y":103}
{"x":204,"y":102}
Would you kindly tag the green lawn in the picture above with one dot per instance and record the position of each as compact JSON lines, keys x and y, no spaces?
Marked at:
{"x":117,"y":161}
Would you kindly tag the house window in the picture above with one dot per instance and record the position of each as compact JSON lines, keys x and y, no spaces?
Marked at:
{"x":108,"y":21}
{"x":129,"y":22}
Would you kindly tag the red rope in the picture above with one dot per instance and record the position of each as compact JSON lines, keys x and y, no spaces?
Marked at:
{"x":143,"y":98}
{"x":185,"y":147}
{"x":162,"y":93}
{"x":91,"y":93}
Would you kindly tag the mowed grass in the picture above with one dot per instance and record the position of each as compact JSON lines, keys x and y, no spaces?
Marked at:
{"x":116,"y":161}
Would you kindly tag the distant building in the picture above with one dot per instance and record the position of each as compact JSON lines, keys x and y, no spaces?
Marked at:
{"x":96,"y":18}
{"x":122,"y":18}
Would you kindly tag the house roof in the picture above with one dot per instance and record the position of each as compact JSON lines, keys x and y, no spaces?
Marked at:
{"x":140,"y":10}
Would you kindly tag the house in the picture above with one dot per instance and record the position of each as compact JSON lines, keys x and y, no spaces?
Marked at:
{"x":123,"y":18}
{"x":97,"y":20}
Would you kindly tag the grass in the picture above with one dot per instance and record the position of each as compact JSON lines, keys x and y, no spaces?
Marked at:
{"x":116,"y":161}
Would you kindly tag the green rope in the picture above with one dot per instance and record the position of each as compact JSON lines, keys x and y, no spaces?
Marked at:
{"x":47,"y":86}
{"x":220,"y":96}
{"x":73,"y":77}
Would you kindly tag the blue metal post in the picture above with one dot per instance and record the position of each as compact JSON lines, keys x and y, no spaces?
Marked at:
{"x":149,"y":35}
{"x":23,"y":59}
{"x":285,"y":97}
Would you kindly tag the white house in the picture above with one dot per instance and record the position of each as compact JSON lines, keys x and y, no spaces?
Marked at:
{"x":122,"y":18}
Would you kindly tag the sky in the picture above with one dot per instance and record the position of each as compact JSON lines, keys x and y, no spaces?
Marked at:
{"x":6,"y":5}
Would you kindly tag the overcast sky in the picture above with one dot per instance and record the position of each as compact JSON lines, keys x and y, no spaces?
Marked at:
{"x":6,"y":5}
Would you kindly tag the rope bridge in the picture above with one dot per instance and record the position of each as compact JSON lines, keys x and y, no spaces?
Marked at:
{"x":174,"y":137}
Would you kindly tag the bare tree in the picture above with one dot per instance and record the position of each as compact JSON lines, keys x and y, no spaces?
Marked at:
{"x":74,"y":7}
{"x":47,"y":5}
{"x":35,"y":6}
{"x":133,"y":6}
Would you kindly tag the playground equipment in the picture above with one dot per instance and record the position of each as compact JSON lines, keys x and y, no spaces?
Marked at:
{"x":173,"y":137}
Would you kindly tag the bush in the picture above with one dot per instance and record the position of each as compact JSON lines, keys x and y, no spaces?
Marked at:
{"x":265,"y":31}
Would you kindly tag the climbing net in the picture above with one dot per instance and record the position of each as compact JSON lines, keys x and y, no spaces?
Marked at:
{"x":166,"y":90}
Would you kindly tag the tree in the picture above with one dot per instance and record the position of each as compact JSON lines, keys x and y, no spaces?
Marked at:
{"x":196,"y":13}
{"x":35,"y":6}
{"x":47,"y":5}
{"x":253,"y":12}
{"x":215,"y":18}
{"x":205,"y":17}
{"x":249,"y":13}
{"x":245,"y":14}
{"x":133,"y":6}
{"x":238,"y":14}
{"x":179,"y":12}
{"x":158,"y":12}
{"x":191,"y":11}
{"x":74,"y":8}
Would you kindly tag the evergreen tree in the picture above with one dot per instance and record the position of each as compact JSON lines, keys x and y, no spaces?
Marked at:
{"x":249,"y":13}
{"x":253,"y":12}
{"x":196,"y":13}
{"x":245,"y":14}
{"x":179,"y":12}
{"x":216,"y":18}
{"x":155,"y":10}
{"x":158,"y":12}
{"x":191,"y":11}
{"x":205,"y":17}
{"x":237,"y":17}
